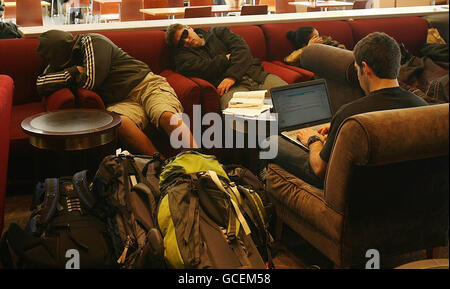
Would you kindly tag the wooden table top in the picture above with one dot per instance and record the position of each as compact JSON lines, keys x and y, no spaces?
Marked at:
{"x":71,"y":129}
{"x":13,"y":4}
{"x":108,"y":1}
{"x":180,"y":10}
{"x":322,"y":3}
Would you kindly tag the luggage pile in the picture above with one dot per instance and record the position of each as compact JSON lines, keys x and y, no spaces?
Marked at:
{"x":140,"y":212}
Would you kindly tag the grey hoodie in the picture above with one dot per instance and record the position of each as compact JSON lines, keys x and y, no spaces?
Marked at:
{"x":107,"y":69}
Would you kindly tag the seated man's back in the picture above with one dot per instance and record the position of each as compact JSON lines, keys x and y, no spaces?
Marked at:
{"x":377,"y":61}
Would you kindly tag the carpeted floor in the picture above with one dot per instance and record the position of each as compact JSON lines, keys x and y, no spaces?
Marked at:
{"x":291,"y":253}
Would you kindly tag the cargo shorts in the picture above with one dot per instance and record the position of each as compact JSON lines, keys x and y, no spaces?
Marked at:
{"x":148,"y":101}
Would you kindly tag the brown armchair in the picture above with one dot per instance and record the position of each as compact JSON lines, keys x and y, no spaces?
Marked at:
{"x":386,"y":188}
{"x":336,"y":66}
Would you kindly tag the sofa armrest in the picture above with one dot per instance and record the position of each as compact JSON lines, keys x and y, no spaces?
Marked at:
{"x":288,"y":75}
{"x":89,"y":99}
{"x":210,"y":99}
{"x":330,"y":62}
{"x":304,"y":74}
{"x":60,"y":99}
{"x":187,"y":90}
{"x":6,"y":95}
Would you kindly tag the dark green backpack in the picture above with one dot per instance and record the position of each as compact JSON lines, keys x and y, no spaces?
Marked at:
{"x":128,"y":192}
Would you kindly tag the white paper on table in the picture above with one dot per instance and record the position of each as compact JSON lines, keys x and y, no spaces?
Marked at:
{"x":252,"y":112}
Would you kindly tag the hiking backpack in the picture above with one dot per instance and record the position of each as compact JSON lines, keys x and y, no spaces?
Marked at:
{"x":207,"y":220}
{"x":63,"y":220}
{"x":128,"y":189}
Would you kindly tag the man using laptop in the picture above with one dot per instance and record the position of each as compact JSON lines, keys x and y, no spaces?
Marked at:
{"x":377,"y":60}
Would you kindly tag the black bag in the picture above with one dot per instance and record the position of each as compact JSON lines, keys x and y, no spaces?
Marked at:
{"x":62,"y":225}
{"x":9,"y":30}
{"x":128,"y":190}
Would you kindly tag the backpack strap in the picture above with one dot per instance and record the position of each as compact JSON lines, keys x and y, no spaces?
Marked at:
{"x":238,"y":212}
{"x":81,"y":187}
{"x":50,"y":200}
{"x":142,"y":177}
{"x":259,"y":217}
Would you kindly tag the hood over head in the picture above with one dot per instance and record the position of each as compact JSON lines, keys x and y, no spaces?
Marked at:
{"x":57,"y":48}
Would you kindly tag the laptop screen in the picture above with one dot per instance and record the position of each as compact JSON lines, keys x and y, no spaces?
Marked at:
{"x":301,"y":104}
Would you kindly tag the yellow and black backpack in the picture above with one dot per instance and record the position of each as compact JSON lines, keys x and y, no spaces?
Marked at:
{"x":208,"y":221}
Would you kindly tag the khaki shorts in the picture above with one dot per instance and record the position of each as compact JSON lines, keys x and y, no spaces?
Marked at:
{"x":148,"y":101}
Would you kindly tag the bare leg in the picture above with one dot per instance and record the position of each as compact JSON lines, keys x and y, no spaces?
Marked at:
{"x":164,"y":122}
{"x":134,"y":138}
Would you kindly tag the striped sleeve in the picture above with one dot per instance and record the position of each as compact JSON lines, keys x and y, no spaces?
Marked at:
{"x":88,"y":63}
{"x":47,"y":83}
{"x":54,"y":78}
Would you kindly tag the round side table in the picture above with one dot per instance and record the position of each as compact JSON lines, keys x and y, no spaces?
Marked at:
{"x":71,"y":140}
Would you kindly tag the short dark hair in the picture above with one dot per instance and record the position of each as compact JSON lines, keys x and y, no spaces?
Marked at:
{"x":381,"y":52}
{"x":170,"y":33}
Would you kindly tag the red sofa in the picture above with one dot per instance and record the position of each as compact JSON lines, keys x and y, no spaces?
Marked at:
{"x":267,"y":42}
{"x":6,"y":94}
{"x":411,"y":31}
{"x":20,"y":61}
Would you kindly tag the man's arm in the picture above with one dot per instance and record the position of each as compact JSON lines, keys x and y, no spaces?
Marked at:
{"x":240,"y":55}
{"x":95,"y":68}
{"x":97,"y":54}
{"x":47,"y":83}
{"x":318,"y":165}
{"x":194,"y":64}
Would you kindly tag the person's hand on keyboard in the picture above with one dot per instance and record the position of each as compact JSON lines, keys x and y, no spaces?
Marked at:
{"x":324,"y":132}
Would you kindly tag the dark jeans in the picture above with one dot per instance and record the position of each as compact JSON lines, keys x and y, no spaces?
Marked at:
{"x":295,"y":160}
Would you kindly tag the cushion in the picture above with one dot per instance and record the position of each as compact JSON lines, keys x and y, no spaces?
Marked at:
{"x":254,"y":37}
{"x":19,"y":139}
{"x":411,"y":31}
{"x":147,"y":46}
{"x":285,"y":73}
{"x":60,"y":99}
{"x":278,"y":46}
{"x":20,"y":61}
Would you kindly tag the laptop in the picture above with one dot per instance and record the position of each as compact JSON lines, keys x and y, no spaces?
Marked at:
{"x":301,"y":105}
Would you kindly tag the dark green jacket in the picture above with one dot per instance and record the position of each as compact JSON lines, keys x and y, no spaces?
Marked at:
{"x":108,"y":70}
{"x":210,"y":62}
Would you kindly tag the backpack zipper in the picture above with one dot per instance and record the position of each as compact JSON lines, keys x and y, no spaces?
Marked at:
{"x":122,"y":257}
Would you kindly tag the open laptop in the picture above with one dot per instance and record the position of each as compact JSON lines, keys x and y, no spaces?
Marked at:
{"x":301,"y":105}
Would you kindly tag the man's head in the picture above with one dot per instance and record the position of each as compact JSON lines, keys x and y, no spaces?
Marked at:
{"x":178,"y":35}
{"x":57,"y":48}
{"x":377,"y":56}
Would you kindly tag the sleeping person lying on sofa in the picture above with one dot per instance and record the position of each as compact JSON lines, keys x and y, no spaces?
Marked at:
{"x":306,"y":36}
{"x":126,"y":85}
{"x":377,"y":61}
{"x":221,"y":57}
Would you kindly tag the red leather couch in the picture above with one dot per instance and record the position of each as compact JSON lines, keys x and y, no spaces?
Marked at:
{"x":20,"y":61}
{"x":267,"y":42}
{"x":6,"y":93}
